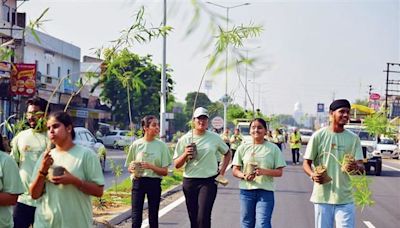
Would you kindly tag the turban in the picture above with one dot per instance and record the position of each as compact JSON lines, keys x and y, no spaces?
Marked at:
{"x":341,"y":103}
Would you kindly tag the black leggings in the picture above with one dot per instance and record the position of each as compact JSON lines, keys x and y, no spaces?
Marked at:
{"x":141,"y":187}
{"x":295,"y":155}
{"x":24,"y":215}
{"x":200,"y":194}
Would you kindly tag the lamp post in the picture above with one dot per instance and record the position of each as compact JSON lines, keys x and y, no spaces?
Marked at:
{"x":225,"y":99}
{"x":163,"y":92}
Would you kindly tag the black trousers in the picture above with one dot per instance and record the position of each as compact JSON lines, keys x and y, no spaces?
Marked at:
{"x":140,"y":188}
{"x":24,"y":215}
{"x":295,"y":155}
{"x":200,"y":194}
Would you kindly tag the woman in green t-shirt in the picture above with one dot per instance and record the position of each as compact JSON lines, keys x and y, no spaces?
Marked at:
{"x":256,"y":164}
{"x":148,"y":160}
{"x":10,"y":187}
{"x":64,"y":178}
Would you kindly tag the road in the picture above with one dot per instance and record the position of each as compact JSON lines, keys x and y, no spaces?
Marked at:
{"x":292,"y":205}
{"x":118,"y":156}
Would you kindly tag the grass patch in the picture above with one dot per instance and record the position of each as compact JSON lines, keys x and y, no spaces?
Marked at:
{"x":121,"y":193}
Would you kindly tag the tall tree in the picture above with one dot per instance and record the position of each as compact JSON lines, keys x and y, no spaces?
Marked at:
{"x":202,"y":101}
{"x":131,"y":79}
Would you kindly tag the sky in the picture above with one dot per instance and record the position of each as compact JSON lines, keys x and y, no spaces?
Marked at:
{"x":310,"y":51}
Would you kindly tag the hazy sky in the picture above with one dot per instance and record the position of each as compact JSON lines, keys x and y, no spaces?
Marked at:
{"x":310,"y":51}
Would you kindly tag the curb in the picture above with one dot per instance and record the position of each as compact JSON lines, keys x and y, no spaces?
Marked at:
{"x":127,"y":214}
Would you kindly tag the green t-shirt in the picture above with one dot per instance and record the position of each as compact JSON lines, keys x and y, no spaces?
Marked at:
{"x":267,"y":156}
{"x":209,"y":146}
{"x":236,"y":140}
{"x":155,"y":152}
{"x":323,"y":142}
{"x":10,"y":182}
{"x":26,"y":148}
{"x":65,"y":205}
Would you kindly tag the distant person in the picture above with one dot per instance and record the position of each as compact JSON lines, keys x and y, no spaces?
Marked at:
{"x":65,"y":178}
{"x":278,"y":138}
{"x":26,"y":148}
{"x":200,"y":168}
{"x":268,"y":136}
{"x":236,"y":140}
{"x":257,"y":186}
{"x":10,"y":187}
{"x":153,"y":157}
{"x":333,"y":201}
{"x":295,"y":145}
{"x":226,"y":135}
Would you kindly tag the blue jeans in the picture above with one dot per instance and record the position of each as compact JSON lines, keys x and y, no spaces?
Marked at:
{"x":326,"y":215}
{"x":256,"y":208}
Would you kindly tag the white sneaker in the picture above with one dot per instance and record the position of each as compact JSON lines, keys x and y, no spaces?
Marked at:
{"x":298,"y":163}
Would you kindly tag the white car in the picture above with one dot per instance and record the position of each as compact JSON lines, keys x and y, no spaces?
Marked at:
{"x":118,"y":139}
{"x":388,"y":148}
{"x":305,"y":135}
{"x":85,"y":138}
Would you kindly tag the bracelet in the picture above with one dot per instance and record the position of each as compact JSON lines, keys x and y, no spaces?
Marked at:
{"x":44,"y":174}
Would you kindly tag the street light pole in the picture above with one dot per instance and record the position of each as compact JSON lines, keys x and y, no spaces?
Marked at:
{"x":225,"y":97}
{"x":163,"y":94}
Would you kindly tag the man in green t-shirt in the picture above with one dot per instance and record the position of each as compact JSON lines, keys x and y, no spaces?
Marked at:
{"x":333,"y":201}
{"x":27,"y":146}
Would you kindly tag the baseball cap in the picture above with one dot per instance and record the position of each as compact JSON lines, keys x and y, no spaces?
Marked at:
{"x":200,"y":111}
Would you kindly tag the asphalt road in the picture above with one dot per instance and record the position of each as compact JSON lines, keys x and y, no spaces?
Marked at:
{"x":292,"y":205}
{"x":118,"y":156}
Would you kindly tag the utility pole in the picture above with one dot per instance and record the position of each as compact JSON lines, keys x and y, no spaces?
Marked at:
{"x":163,"y":94}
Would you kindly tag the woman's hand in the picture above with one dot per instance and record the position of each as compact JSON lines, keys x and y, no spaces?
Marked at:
{"x":147,"y":165}
{"x":249,"y":177}
{"x":46,"y":162}
{"x":188,"y":153}
{"x":66,"y":178}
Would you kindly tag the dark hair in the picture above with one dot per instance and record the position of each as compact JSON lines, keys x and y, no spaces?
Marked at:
{"x":146,"y":122}
{"x":2,"y":147}
{"x":36,"y":101}
{"x":65,"y":119}
{"x":261,"y":121}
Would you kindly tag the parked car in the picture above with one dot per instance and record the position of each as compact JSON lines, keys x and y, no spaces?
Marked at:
{"x":118,"y":139}
{"x":305,"y":135}
{"x":85,"y":138}
{"x":388,"y":148}
{"x":372,"y":157}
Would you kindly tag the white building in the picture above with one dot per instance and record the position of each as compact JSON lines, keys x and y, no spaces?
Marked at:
{"x":57,"y":64}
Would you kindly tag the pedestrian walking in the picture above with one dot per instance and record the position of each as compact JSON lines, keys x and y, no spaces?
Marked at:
{"x":200,"y":162}
{"x":148,"y":160}
{"x":226,"y":135}
{"x":295,"y":144}
{"x":333,"y":201}
{"x":10,"y":187}
{"x":256,"y":164}
{"x":26,"y":148}
{"x":64,"y":179}
{"x":236,"y":139}
{"x":278,"y":138}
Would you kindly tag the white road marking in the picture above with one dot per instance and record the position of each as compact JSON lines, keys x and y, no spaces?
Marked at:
{"x":170,"y":207}
{"x":165,"y":210}
{"x":390,"y":167}
{"x":369,"y":224}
